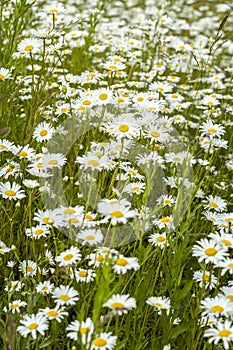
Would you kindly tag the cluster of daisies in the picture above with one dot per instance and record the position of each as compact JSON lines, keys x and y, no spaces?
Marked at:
{"x":137,"y":96}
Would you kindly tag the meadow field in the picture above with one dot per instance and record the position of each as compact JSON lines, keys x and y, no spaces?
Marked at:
{"x":116,"y":175}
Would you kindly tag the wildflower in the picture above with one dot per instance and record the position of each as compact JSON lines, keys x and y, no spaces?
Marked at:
{"x":84,"y":328}
{"x":45,"y":287}
{"x":43,"y":132}
{"x":215,"y":203}
{"x":33,"y":324}
{"x":209,"y":251}
{"x":11,"y":191}
{"x":90,"y":236}
{"x":226,"y":265}
{"x":29,"y":46}
{"x":227,"y":292}
{"x":38,"y":231}
{"x":28,"y":267}
{"x":15,"y":305}
{"x":84,"y":275}
{"x":221,"y":331}
{"x":134,"y":188}
{"x":5,"y":74}
{"x":158,"y":239}
{"x":53,"y":313}
{"x":104,"y":341}
{"x":120,"y":304}
{"x":65,"y":295}
{"x":159,"y":303}
{"x":5,"y":145}
{"x":30,"y":183}
{"x":68,"y":257}
{"x":217,"y":306}
{"x":124,"y":126}
{"x":103,"y":96}
{"x":122,"y":264}
{"x":51,"y":160}
{"x":205,"y":278}
{"x":14,"y":286}
{"x":211,"y":130}
{"x":225,"y":239}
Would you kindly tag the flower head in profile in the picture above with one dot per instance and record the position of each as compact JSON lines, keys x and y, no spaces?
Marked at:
{"x":32,"y":325}
{"x":120,"y":304}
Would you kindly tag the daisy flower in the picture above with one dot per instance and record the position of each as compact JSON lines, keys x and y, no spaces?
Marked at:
{"x":120,"y":303}
{"x":221,"y":331}
{"x":6,"y":145}
{"x":227,"y":292}
{"x":215,"y":203}
{"x":217,"y":306}
{"x":122,"y":126}
{"x":33,"y":324}
{"x":205,"y":278}
{"x":116,"y":211}
{"x":209,"y":251}
{"x":159,"y":303}
{"x":90,"y":237}
{"x":226,"y":265}
{"x":53,"y":313}
{"x":134,"y":188}
{"x":84,"y":275}
{"x":69,"y":257}
{"x":5,"y":74}
{"x":29,"y":46}
{"x":158,"y":239}
{"x":85,"y":328}
{"x":30,"y":183}
{"x":104,"y":341}
{"x":43,"y":132}
{"x":15,"y":305}
{"x":14,"y":286}
{"x":45,"y":287}
{"x":11,"y":191}
{"x":103,"y":96}
{"x":122,"y":264}
{"x":38,"y":231}
{"x":28,"y":267}
{"x":51,"y":160}
{"x":65,"y":295}
{"x":211,"y":130}
{"x":226,"y":239}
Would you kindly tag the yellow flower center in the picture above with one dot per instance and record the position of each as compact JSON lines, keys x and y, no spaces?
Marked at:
{"x":177,"y":159}
{"x":33,"y":326}
{"x":206,"y":277}
{"x":213,"y":205}
{"x":45,"y":288}
{"x":83,"y":273}
{"x":230,"y":297}
{"x":159,"y":305}
{"x":121,"y":262}
{"x":224,"y":333}
{"x":53,"y":11}
{"x":212,"y":131}
{"x":217,"y":308}
{"x":116,"y":214}
{"x":88,"y":217}
{"x":167,"y":201}
{"x":89,"y":238}
{"x":64,"y":297}
{"x":69,"y":211}
{"x":2,"y":76}
{"x":10,"y":193}
{"x":112,"y":67}
{"x":211,"y":251}
{"x":86,"y":102}
{"x":134,"y":189}
{"x":155,"y":134}
{"x":64,"y":110}
{"x":103,"y":97}
{"x":23,"y":154}
{"x":99,"y":342}
{"x":43,"y":132}
{"x":226,"y":242}
{"x":93,"y":162}
{"x":84,"y":330}
{"x":165,"y":219}
{"x":3,"y":147}
{"x":52,"y":313}
{"x":117,"y":305}
{"x":123,"y":128}
{"x":68,"y":257}
{"x":46,"y":220}
{"x":29,"y":269}
{"x":160,"y":239}
{"x":29,"y":48}
{"x":73,"y":221}
{"x":131,"y":172}
{"x":38,"y":232}
{"x":53,"y":162}
{"x":100,"y":258}
{"x":230,"y":265}
{"x":14,"y":306}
